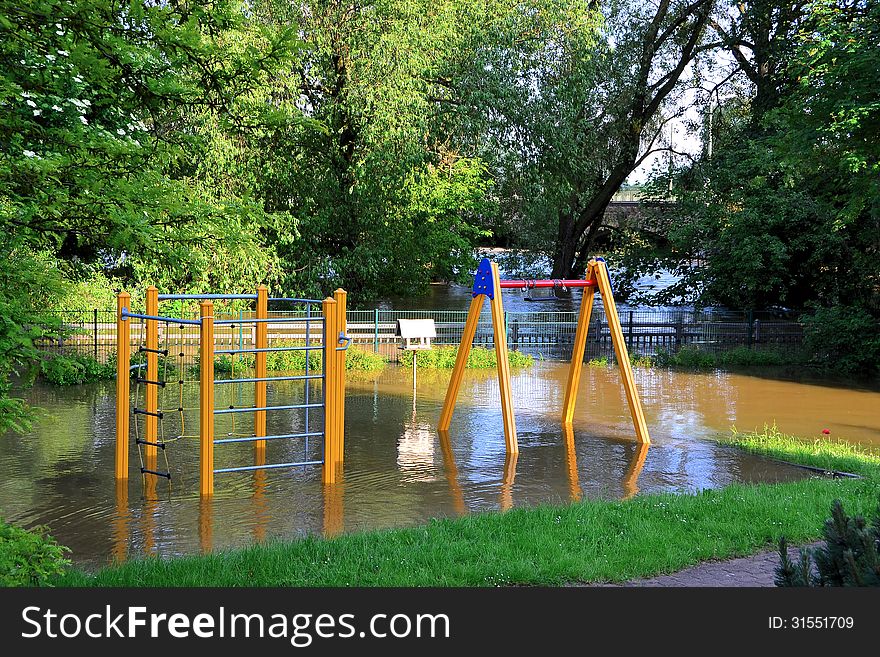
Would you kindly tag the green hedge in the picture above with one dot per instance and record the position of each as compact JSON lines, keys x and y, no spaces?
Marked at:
{"x":29,"y":558}
{"x":444,"y":358}
{"x":75,"y":369}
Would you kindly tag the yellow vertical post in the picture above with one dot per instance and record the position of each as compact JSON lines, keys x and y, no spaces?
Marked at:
{"x":262,"y":342}
{"x":328,"y":309}
{"x":500,"y":331}
{"x":626,"y":373}
{"x":151,"y":389}
{"x":123,"y":358}
{"x":577,"y":356}
{"x":464,"y":350}
{"x":206,"y":399}
{"x":340,"y":296}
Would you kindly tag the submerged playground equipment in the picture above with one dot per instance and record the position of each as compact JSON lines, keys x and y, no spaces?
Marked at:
{"x":488,"y":283}
{"x":331,"y":343}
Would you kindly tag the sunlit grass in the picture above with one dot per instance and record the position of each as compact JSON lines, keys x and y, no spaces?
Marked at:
{"x":589,"y":541}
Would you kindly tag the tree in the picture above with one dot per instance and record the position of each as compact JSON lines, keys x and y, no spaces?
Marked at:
{"x":100,"y":150}
{"x":573,"y":109}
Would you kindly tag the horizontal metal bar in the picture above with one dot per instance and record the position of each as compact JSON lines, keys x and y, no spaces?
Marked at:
{"x":270,"y":378}
{"x":546,"y":283}
{"x":265,"y":408}
{"x":140,"y":411}
{"x":169,"y":297}
{"x":137,"y":366}
{"x":140,"y":441}
{"x":296,"y":300}
{"x":250,"y":439}
{"x":161,"y":352}
{"x":159,"y":318}
{"x":167,"y":475}
{"x":269,"y":466}
{"x":161,"y":384}
{"x":269,"y":320}
{"x":266,"y":349}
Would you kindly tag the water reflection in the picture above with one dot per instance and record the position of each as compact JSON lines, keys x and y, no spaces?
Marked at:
{"x":398,"y":471}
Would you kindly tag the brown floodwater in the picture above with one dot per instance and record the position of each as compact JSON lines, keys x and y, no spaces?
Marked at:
{"x":398,"y":471}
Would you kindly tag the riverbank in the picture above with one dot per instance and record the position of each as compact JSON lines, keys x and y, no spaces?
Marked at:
{"x":591,"y":541}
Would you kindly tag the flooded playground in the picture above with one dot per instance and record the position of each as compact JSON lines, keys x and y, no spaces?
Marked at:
{"x":398,"y":470}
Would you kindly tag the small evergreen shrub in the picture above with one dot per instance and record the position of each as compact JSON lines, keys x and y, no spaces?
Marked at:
{"x":850,"y":555}
{"x":29,"y":558}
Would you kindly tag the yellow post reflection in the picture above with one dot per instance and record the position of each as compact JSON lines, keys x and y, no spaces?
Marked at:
{"x":631,"y":477}
{"x":120,"y":522}
{"x":507,"y":481}
{"x":261,"y":506}
{"x":206,"y":524}
{"x":452,"y":474}
{"x":334,"y":509}
{"x":571,"y":466}
{"x":151,"y":506}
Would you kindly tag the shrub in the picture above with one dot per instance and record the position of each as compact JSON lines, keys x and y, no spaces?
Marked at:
{"x":843,"y":338}
{"x":75,"y":369}
{"x":29,"y":558}
{"x":356,"y":359}
{"x":443,"y":357}
{"x":849,"y":557}
{"x":690,"y":357}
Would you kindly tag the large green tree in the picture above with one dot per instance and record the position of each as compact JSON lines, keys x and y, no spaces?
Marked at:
{"x":100,"y":148}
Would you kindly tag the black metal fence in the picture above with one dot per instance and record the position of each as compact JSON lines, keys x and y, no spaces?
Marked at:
{"x":546,"y":333}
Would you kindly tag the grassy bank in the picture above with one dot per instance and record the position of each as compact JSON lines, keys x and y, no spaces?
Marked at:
{"x":583,"y":542}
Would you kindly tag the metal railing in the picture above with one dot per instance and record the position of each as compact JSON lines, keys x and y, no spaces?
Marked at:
{"x":546,"y":333}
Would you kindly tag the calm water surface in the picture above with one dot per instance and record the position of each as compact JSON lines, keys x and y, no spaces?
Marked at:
{"x":398,"y":471}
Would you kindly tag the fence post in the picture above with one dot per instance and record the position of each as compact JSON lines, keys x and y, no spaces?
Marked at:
{"x":206,"y":398}
{"x":679,"y":332}
{"x":340,"y":296}
{"x":152,"y":389}
{"x":262,"y":342}
{"x":95,"y":330}
{"x":376,"y":332}
{"x":123,"y":359}
{"x":629,"y":332}
{"x":328,"y":309}
{"x":750,"y":319}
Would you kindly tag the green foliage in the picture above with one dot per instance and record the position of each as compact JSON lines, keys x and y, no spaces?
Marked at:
{"x":63,"y":370}
{"x":843,"y":338}
{"x":102,"y":107}
{"x":29,"y":558}
{"x":850,"y":555}
{"x":356,"y":359}
{"x":784,"y":211}
{"x":443,"y":357}
{"x":692,"y":357}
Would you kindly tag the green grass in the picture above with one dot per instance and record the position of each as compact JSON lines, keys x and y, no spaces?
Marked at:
{"x":584,"y":542}
{"x":443,"y":357}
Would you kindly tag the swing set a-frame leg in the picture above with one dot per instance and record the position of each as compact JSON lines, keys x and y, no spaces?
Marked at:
{"x":597,"y":271}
